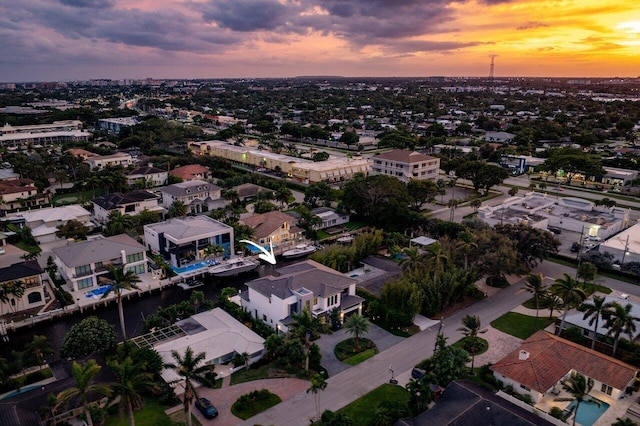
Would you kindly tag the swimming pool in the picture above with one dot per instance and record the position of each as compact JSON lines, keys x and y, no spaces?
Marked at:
{"x":97,"y":292}
{"x":589,"y":411}
{"x":193,"y":267}
{"x":20,"y":391}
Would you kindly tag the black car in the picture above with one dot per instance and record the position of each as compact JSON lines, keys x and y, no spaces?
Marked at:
{"x":206,"y":408}
{"x":418,"y":373}
{"x":575,"y":247}
{"x":554,"y":229}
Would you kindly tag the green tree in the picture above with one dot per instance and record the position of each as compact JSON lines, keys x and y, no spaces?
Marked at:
{"x":436,"y":258}
{"x":88,"y":336}
{"x":422,"y":192}
{"x":191,"y":369}
{"x":177,"y":209}
{"x":357,"y":326}
{"x":131,"y":382}
{"x":619,"y":319}
{"x":84,"y":375}
{"x":38,"y":348}
{"x":594,"y":310}
{"x":118,"y":223}
{"x":318,"y":384}
{"x":412,"y":258}
{"x":471,"y":327}
{"x":579,"y":387}
{"x":587,"y":271}
{"x":318,"y":194}
{"x":119,"y":280}
{"x":624,"y":421}
{"x":12,"y":291}
{"x":420,"y":395}
{"x":535,"y":285}
{"x":448,"y":363}
{"x":73,"y":229}
{"x":571,"y":293}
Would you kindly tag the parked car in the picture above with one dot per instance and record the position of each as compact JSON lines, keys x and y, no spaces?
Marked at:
{"x":593,"y":238}
{"x":206,"y":408}
{"x":418,"y":373}
{"x":554,"y":229}
{"x":575,"y":247}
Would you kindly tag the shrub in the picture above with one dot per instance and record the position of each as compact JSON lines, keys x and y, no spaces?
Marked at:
{"x":557,"y":412}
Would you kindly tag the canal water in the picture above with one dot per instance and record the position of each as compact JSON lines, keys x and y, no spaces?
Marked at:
{"x":135,"y":310}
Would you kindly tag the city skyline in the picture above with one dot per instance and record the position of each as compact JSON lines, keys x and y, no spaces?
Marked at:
{"x":49,"y":40}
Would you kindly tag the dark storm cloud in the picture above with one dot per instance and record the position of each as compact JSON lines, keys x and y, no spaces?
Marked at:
{"x":247,"y":15}
{"x":93,"y":4}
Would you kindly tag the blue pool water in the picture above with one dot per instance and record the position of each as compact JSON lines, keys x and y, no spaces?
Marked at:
{"x":97,"y":291}
{"x":589,"y":411}
{"x":21,"y":391}
{"x":193,"y":267}
{"x":255,"y":250}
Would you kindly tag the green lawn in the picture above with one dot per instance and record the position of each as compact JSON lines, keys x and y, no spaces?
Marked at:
{"x":256,"y":373}
{"x":347,"y":349}
{"x":253,"y":403}
{"x":482,"y":344}
{"x":351,"y":226}
{"x":519,"y":325}
{"x":362,"y":410}
{"x":151,"y":415}
{"x":362,"y":356}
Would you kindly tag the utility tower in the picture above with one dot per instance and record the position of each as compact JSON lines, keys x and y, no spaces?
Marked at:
{"x":493,"y":60}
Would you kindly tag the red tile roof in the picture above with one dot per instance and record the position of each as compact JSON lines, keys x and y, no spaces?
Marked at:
{"x":551,"y":358}
{"x":266,"y":223}
{"x":190,"y":172}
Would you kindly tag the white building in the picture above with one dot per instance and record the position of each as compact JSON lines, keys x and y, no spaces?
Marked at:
{"x":148,"y":176}
{"x":199,"y":196}
{"x":81,"y":264}
{"x":181,"y":241}
{"x":405,"y":165}
{"x":116,"y":159}
{"x":131,"y":203}
{"x":114,"y":125}
{"x":329,"y":217}
{"x":625,"y":246}
{"x":44,"y":223}
{"x":37,"y":135}
{"x":275,"y":298}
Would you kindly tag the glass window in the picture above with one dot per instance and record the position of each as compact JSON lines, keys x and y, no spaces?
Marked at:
{"x":85,"y":282}
{"x":138,"y":269}
{"x":135,"y":257}
{"x":34,"y":297}
{"x":83,"y":270}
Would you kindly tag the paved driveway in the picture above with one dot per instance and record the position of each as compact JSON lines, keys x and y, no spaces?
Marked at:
{"x":383,"y":340}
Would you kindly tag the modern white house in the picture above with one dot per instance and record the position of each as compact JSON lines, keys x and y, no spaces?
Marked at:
{"x":215,"y":333}
{"x":44,"y":223}
{"x":34,"y":296}
{"x":199,"y":196}
{"x":116,"y":159}
{"x":405,"y":165}
{"x":82,"y":264}
{"x":330,"y":217}
{"x":181,"y":241}
{"x":147,"y":176}
{"x":542,"y":361}
{"x":274,"y":299}
{"x":131,"y":203}
{"x":575,"y":318}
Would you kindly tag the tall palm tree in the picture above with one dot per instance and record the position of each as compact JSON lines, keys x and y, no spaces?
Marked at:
{"x":282,"y":195}
{"x":618,"y":319}
{"x":214,"y":250}
{"x":192,"y":370}
{"x":579,"y":387}
{"x":12,"y":290}
{"x":84,"y":374}
{"x":553,"y":303}
{"x":131,"y":381}
{"x":318,"y":384}
{"x":118,"y":223}
{"x":466,"y":244}
{"x":437,"y":259}
{"x":412,"y":258}
{"x":39,"y":347}
{"x":535,"y":285}
{"x":177,"y":209}
{"x":471,"y":327}
{"x":120,"y":280}
{"x":571,"y":293}
{"x":594,"y":310}
{"x":356,"y":326}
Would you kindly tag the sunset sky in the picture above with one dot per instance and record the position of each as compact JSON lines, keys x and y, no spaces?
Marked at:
{"x":47,"y":40}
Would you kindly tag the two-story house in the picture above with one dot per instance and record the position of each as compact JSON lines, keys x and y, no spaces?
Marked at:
{"x":19,"y":193}
{"x":82,"y":264}
{"x":274,"y":299}
{"x":405,"y":165}
{"x":199,"y":196}
{"x":191,"y":172}
{"x":182,"y":240}
{"x":116,"y":159}
{"x":131,"y":203}
{"x":147,"y":176}
{"x":27,"y":275}
{"x":275,"y":228}
{"x":44,"y":223}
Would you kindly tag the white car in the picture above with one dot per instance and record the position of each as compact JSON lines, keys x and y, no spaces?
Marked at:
{"x":593,"y":238}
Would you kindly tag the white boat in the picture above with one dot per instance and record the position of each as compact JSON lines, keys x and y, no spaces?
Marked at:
{"x":188,"y":285}
{"x":299,"y":251}
{"x":345,"y":239}
{"x":233,"y":266}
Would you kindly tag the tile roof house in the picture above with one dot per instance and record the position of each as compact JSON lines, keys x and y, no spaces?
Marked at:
{"x":275,"y":227}
{"x":249,"y":190}
{"x":405,"y":165}
{"x":19,"y":193}
{"x":30,"y":274}
{"x":199,"y":196}
{"x":131,"y":203}
{"x":543,"y":360}
{"x":147,"y":176}
{"x":275,"y":298}
{"x":83,"y":263}
{"x":464,"y":403}
{"x":191,"y":172}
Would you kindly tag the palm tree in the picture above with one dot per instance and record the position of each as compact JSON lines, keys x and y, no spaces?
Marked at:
{"x":131,"y":382}
{"x":39,"y":347}
{"x":118,"y":223}
{"x":471,"y":329}
{"x":214,"y":250}
{"x":594,"y":310}
{"x":318,"y":384}
{"x":120,"y":280}
{"x":571,"y":293}
{"x":357,"y":326}
{"x":618,"y":320}
{"x":282,"y":195}
{"x":466,"y":244}
{"x":84,"y":375}
{"x":177,"y":209}
{"x":579,"y":387}
{"x":231,"y":195}
{"x":412,"y":258}
{"x":553,"y":303}
{"x":535,"y":285}
{"x":191,"y":368}
{"x":12,"y":290}
{"x":437,"y":258}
